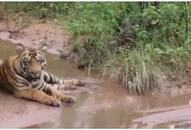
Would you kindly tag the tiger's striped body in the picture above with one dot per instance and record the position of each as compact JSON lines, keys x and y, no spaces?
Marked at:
{"x":23,"y":74}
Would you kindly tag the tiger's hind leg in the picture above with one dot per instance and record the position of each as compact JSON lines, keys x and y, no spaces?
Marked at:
{"x":38,"y":96}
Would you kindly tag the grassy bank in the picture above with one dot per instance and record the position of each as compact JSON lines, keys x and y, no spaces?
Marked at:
{"x":145,"y":41}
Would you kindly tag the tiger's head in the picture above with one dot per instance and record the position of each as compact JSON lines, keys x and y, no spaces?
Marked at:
{"x":32,"y":61}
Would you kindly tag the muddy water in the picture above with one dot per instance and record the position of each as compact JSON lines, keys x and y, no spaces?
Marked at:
{"x":100,"y":104}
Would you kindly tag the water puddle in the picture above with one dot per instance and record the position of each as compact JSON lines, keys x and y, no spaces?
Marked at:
{"x":103,"y":103}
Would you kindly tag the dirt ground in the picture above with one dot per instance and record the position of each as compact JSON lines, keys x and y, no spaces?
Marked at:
{"x":17,"y":113}
{"x":35,"y":34}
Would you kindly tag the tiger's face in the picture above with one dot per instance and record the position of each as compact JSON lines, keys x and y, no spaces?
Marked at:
{"x":32,"y":61}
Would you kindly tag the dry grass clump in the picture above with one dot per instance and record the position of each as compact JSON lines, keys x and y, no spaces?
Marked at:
{"x":139,"y":75}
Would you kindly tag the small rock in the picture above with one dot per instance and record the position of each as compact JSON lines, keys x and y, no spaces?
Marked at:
{"x":189,"y":102}
{"x":179,"y":86}
{"x":172,"y":126}
{"x":1,"y":61}
{"x":81,"y":67}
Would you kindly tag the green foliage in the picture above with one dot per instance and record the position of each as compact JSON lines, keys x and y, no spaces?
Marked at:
{"x":38,"y":9}
{"x":95,"y":22}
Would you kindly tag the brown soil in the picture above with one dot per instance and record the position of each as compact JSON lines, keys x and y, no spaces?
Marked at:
{"x":35,"y":34}
{"x":175,"y":87}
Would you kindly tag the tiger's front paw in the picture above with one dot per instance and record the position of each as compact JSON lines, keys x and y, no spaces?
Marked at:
{"x":78,"y":82}
{"x":68,"y":99}
{"x":71,"y":87}
{"x":55,"y":102}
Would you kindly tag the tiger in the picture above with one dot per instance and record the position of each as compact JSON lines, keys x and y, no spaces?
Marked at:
{"x":24,"y":75}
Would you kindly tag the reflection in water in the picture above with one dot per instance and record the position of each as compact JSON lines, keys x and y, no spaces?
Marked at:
{"x":102,"y":103}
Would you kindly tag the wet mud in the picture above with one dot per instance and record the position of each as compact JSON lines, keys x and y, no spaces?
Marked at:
{"x":19,"y":113}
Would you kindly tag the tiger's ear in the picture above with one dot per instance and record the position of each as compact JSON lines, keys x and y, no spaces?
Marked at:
{"x":20,"y":47}
{"x":43,"y":47}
